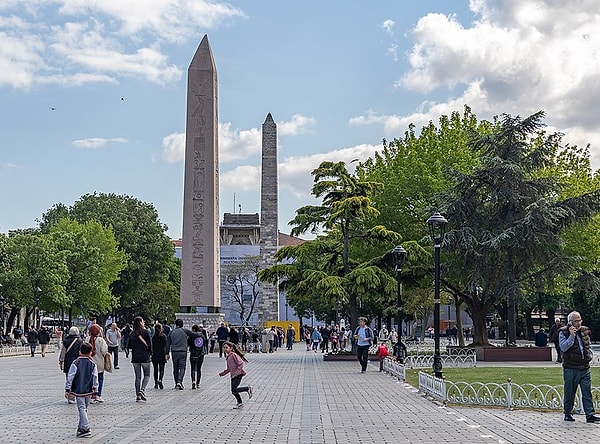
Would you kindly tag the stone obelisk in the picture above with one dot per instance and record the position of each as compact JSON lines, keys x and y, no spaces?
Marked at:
{"x":200,"y":282}
{"x":268,"y":306}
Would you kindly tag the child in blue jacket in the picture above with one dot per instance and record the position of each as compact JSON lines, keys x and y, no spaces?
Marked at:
{"x":82,"y":382}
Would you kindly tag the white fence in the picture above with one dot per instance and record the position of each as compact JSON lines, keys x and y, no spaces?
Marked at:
{"x":432,"y":386}
{"x":462,"y":358}
{"x":511,"y":395}
{"x":17,"y":350}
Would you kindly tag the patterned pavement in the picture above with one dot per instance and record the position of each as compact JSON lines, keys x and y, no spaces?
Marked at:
{"x":298,"y":398}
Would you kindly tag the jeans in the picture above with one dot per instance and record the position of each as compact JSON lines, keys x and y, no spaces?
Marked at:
{"x":196,"y":369}
{"x":362,"y":352}
{"x":581,"y":378}
{"x":140,"y":384}
{"x":178,"y":366}
{"x":159,"y":371}
{"x":100,"y":383}
{"x":32,"y":347}
{"x":82,"y":406}
{"x":558,"y":351}
{"x":221,"y":348}
{"x":236,"y":389}
{"x":271,"y":342}
{"x":115,"y":351}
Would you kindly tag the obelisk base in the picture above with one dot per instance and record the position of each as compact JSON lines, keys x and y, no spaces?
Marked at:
{"x":210,"y":321}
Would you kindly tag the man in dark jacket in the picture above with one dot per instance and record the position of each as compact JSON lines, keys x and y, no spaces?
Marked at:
{"x":177,"y":348}
{"x":44,"y":338}
{"x":576,"y":347}
{"x":32,"y":338}
{"x":222,"y":336}
{"x":554,"y":338}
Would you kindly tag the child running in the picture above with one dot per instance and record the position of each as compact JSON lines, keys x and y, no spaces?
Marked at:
{"x":235,"y":367}
{"x":82,"y":382}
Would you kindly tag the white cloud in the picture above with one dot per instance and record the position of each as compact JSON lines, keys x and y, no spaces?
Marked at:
{"x":298,"y":125}
{"x":516,"y":57}
{"x":241,"y":178}
{"x":6,"y":165}
{"x":235,"y":144}
{"x":173,"y":147}
{"x":294,"y":172}
{"x":71,"y":42}
{"x":96,"y":142}
{"x":388,"y":26}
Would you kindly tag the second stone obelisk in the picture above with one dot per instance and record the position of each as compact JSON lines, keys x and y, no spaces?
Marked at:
{"x":200,"y":282}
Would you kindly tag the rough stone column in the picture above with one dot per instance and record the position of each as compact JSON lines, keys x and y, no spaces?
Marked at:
{"x":200,"y":281}
{"x":268,"y":307}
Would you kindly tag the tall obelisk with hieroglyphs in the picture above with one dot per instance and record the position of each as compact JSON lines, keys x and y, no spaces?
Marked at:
{"x":268,"y":305}
{"x":200,"y":282}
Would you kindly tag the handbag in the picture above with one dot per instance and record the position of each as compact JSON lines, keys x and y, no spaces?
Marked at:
{"x":108,"y":367}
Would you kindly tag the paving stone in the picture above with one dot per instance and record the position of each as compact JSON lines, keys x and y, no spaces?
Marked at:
{"x":298,"y":398}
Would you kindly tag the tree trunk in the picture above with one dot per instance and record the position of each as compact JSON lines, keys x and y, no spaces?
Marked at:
{"x":479,"y":332}
{"x":461,"y":336}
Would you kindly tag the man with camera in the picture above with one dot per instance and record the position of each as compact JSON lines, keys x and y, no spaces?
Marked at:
{"x":575,"y":345}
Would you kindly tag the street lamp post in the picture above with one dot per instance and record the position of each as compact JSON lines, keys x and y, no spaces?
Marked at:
{"x":399,"y":254}
{"x":36,"y":291}
{"x":437,"y":227}
{"x":2,"y":309}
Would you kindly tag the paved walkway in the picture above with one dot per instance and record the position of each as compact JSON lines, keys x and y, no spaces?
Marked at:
{"x":298,"y":398}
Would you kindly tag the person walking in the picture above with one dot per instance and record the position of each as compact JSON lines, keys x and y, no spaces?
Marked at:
{"x":140,"y":345}
{"x":235,"y":367}
{"x":553,"y":333}
{"x":160,"y":355}
{"x":32,"y":339}
{"x":113,"y":338}
{"x":44,"y":339}
{"x":125,"y":332}
{"x":222,"y":336}
{"x":68,"y":353}
{"x":272,"y":337}
{"x":325,"y":335}
{"x":315,"y":338}
{"x":234,"y":336}
{"x":82,"y":383}
{"x":197,"y":351}
{"x":575,"y":345}
{"x":177,"y":348}
{"x":290,"y":337}
{"x":363,"y":336}
{"x":99,"y":350}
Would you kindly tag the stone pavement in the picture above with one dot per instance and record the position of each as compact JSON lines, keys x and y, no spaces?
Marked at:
{"x":298,"y":398}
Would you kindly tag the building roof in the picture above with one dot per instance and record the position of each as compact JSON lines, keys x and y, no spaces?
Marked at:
{"x":285,"y":240}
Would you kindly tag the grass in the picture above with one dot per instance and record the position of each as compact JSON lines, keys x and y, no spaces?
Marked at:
{"x":551,"y":375}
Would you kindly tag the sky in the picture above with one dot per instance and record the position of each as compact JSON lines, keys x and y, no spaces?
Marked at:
{"x":93,"y":92}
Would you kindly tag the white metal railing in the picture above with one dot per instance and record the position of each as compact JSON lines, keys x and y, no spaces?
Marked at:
{"x":511,"y":395}
{"x":432,"y":386}
{"x":17,"y":350}
{"x":467,"y":359}
{"x":394,"y":368}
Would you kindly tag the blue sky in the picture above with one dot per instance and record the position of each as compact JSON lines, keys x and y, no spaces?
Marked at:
{"x":93,"y":92}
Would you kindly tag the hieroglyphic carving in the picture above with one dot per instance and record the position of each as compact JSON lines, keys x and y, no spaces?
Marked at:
{"x":199,"y":274}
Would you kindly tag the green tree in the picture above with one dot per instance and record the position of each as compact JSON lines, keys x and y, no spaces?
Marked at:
{"x":506,"y":218}
{"x":325,"y":269}
{"x":138,"y":232}
{"x":94,"y":261}
{"x":29,"y":261}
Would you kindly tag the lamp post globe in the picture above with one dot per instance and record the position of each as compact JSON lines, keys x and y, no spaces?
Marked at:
{"x":437,"y":229}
